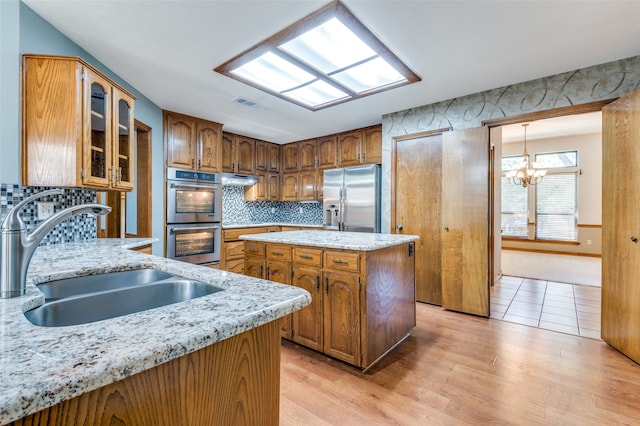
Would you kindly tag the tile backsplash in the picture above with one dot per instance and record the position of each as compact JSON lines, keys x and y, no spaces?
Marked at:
{"x":235,"y":210}
{"x":75,"y":228}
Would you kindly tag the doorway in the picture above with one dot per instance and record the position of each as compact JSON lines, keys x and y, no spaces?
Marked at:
{"x":131,"y":216}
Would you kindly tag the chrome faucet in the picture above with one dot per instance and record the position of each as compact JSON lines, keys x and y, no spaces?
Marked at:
{"x":17,"y":245}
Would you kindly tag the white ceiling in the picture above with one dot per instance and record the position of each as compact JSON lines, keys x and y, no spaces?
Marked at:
{"x":570,"y":125}
{"x":167,"y":50}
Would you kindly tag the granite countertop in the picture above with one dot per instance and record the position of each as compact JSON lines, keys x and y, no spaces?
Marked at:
{"x":40,"y":367}
{"x":256,"y":225}
{"x":333,"y":239}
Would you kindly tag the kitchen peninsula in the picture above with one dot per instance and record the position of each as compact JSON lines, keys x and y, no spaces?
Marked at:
{"x":210,"y":360}
{"x":362,"y":287}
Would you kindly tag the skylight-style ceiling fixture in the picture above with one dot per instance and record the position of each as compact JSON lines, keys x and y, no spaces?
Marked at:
{"x":327,"y":58}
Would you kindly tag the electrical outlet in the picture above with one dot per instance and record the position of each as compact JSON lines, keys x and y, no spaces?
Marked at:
{"x":45,"y":210}
{"x":588,"y":242}
{"x":300,"y":210}
{"x":273,"y":209}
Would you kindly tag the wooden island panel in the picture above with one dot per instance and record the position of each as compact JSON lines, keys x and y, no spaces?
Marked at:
{"x":233,"y":382}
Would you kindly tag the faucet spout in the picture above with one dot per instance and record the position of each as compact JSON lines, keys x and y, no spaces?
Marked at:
{"x":17,"y":245}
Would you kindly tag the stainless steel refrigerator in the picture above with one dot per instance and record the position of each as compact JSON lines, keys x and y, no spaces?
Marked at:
{"x":351,"y":199}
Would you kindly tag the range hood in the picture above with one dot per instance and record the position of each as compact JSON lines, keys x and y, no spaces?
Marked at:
{"x":233,"y":179}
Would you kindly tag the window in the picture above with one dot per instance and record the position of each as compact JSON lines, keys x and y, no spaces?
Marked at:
{"x":556,"y":207}
{"x":325,"y":59}
{"x":556,"y":199}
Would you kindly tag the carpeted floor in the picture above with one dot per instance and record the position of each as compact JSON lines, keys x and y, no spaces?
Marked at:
{"x":552,"y":267}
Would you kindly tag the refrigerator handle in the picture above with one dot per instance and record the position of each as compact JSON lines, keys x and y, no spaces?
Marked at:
{"x":343,"y":194}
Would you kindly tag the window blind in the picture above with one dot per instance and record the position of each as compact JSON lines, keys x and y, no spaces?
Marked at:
{"x":556,"y":207}
{"x":515,"y":206}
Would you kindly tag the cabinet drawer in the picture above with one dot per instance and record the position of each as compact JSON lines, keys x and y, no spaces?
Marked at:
{"x":235,"y":266}
{"x":278,"y":252}
{"x":254,"y":249}
{"x":234,"y":250}
{"x":307,"y":256}
{"x":342,"y":261}
{"x":234,"y":234}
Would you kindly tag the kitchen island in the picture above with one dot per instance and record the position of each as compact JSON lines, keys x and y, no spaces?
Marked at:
{"x":362,"y":286}
{"x":168,"y":365}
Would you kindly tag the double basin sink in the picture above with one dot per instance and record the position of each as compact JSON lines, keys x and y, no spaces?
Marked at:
{"x":82,"y":300}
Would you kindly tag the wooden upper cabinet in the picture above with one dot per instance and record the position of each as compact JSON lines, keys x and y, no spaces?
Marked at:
{"x":307,"y":154}
{"x":289,"y":187}
{"x":262,"y":155}
{"x":362,"y":146}
{"x":273,"y":186}
{"x":77,"y":126}
{"x":372,"y":145}
{"x":290,"y":157}
{"x":273,"y":164}
{"x":209,"y":146}
{"x":349,"y":148}
{"x":180,"y":140}
{"x":327,"y":149}
{"x":307,"y":185}
{"x":245,"y":156}
{"x":192,"y":143}
{"x":238,"y":154}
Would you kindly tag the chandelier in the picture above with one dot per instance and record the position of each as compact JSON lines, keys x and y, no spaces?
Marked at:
{"x":526,"y":172}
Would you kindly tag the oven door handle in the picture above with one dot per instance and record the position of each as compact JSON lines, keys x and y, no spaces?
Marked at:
{"x":193,"y":228}
{"x":190,"y":186}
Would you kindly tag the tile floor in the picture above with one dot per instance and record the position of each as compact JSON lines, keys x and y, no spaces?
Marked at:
{"x":567,"y":308}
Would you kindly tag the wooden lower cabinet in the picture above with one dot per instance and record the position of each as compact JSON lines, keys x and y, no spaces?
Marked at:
{"x":232,"y":251}
{"x":363,"y":302}
{"x":233,"y":382}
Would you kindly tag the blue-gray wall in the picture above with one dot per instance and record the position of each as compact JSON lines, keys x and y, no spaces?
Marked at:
{"x":23,"y":31}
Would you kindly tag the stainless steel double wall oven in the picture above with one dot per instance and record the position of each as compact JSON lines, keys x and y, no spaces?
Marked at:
{"x":194,"y":213}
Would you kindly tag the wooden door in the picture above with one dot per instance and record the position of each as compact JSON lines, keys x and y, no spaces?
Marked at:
{"x":349,"y":148}
{"x":418,"y":209}
{"x":228,"y":152}
{"x":465,"y":221}
{"x":245,"y":155}
{"x":621,"y":225}
{"x":273,"y":163}
{"x":98,"y":127}
{"x":273,"y":186}
{"x":290,"y":157}
{"x":262,"y":156}
{"x":307,"y":323}
{"x":181,"y":140}
{"x":254,"y":268}
{"x":123,"y":134}
{"x":372,"y":145}
{"x":307,"y":154}
{"x":342,"y":317}
{"x":289,"y":188}
{"x":327,"y":152}
{"x":209,"y":147}
{"x":307,"y":185}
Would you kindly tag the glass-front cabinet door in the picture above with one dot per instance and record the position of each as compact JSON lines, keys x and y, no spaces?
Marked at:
{"x":123,"y":133}
{"x":97,"y":131}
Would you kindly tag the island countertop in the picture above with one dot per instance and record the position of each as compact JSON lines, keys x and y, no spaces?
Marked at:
{"x":333,"y":239}
{"x":43,"y":366}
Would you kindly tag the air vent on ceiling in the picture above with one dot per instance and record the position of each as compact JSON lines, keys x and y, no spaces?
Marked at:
{"x":247,"y":102}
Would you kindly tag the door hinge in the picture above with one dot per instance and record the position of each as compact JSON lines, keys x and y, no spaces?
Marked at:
{"x":359,"y":284}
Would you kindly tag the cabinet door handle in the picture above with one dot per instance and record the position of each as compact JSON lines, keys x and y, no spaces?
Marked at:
{"x":277,"y":253}
{"x":112,"y":170}
{"x":267,"y":276}
{"x":199,"y":164}
{"x":306,"y":256}
{"x":317,"y":283}
{"x":634,"y":239}
{"x":193,"y":163}
{"x":253,"y":250}
{"x":326,"y":285}
{"x":260,"y":271}
{"x":340,"y":262}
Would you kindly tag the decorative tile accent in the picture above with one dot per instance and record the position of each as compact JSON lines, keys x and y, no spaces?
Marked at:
{"x":235,"y":210}
{"x":599,"y":82}
{"x":75,"y":228}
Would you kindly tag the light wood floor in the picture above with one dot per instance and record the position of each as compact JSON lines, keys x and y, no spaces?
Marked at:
{"x":459,"y":369}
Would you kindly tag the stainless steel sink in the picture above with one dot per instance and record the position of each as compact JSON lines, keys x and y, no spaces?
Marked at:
{"x":112,"y":295}
{"x":100,"y":282}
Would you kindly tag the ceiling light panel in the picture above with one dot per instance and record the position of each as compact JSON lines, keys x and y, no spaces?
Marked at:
{"x":326,"y":58}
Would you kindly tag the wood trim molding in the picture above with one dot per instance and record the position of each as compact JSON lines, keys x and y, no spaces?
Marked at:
{"x":553,"y":252}
{"x":551,"y":113}
{"x":421,"y":134}
{"x":526,"y":240}
{"x":585,"y":225}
